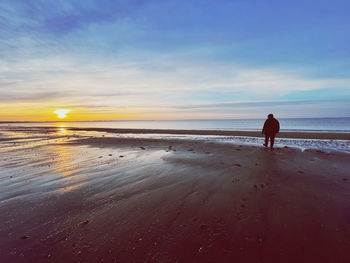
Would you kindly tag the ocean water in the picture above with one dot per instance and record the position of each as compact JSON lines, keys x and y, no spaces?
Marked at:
{"x":337,"y":125}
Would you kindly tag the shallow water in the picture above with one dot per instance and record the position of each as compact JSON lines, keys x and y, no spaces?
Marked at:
{"x":340,"y":125}
{"x":28,"y":137}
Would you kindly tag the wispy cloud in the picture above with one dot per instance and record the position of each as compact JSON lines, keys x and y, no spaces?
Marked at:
{"x":30,"y":97}
{"x":247,"y":104}
{"x":136,"y":84}
{"x":63,"y":17}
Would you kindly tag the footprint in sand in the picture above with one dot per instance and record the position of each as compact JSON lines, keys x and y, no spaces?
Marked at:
{"x":203,"y":227}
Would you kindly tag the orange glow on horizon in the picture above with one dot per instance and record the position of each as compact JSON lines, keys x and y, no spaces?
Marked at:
{"x":44,"y":112}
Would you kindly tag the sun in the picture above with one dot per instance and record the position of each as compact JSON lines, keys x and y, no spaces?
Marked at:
{"x":61,"y":113}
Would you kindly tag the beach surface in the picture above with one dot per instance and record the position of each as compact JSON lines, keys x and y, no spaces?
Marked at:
{"x":79,"y":196}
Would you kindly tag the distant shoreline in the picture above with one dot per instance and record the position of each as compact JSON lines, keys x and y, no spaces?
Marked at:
{"x":165,"y":120}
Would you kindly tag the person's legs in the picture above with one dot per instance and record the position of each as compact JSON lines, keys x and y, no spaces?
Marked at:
{"x":272,"y":140}
{"x":266,"y":140}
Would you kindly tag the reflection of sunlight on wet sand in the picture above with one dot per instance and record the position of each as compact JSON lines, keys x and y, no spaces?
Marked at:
{"x":70,"y":188}
{"x":62,"y":129}
{"x":65,"y":156}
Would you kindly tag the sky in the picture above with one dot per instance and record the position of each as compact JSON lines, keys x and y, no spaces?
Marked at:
{"x":164,"y":59}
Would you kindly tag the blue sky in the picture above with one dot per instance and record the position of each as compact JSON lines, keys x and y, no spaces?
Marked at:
{"x":176,"y":59}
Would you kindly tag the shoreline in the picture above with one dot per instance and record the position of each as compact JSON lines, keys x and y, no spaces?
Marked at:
{"x":339,"y":142}
{"x":292,"y":135}
{"x":257,"y":134}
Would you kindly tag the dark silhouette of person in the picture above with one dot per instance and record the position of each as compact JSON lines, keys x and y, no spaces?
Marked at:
{"x":271,"y":127}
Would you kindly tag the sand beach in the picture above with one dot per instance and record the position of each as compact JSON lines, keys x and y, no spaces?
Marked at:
{"x":90,"y":196}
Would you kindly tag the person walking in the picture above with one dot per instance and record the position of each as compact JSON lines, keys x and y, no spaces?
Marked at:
{"x":271,"y":127}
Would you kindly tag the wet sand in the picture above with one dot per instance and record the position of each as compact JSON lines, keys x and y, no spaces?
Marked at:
{"x":157,"y":200}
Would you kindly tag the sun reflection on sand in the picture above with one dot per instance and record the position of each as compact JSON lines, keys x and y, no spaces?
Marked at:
{"x":63,"y":131}
{"x":64,"y":158}
{"x":70,"y":188}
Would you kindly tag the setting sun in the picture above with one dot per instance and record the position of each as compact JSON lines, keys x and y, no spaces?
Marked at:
{"x":62,"y":113}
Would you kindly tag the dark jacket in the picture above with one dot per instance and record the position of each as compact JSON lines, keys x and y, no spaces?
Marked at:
{"x":271,"y":126}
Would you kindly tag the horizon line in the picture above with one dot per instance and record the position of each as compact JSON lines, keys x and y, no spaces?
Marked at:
{"x":209,"y":119}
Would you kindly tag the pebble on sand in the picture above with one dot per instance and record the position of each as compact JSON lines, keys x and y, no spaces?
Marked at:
{"x":142,"y":148}
{"x":84,"y":222}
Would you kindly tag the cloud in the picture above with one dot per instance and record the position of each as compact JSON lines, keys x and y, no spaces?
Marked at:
{"x":167,"y":79}
{"x":30,"y":97}
{"x":62,"y":17}
{"x":247,"y":104}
